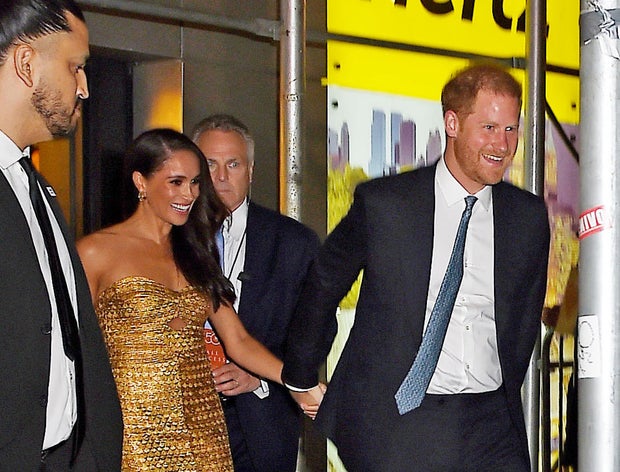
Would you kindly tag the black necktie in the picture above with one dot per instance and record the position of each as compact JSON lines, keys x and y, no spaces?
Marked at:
{"x":68,"y":324}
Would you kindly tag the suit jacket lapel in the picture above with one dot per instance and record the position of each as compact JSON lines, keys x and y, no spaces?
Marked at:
{"x":57,"y":211}
{"x":257,"y":252}
{"x":417,"y":216}
{"x":13,"y":210}
{"x":18,"y":238}
{"x":504,"y":252}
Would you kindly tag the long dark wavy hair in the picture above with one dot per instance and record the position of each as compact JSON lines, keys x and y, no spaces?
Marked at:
{"x":193,"y":244}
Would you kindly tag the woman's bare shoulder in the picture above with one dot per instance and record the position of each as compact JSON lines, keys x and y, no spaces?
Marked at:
{"x":107,"y":255}
{"x":99,"y":241}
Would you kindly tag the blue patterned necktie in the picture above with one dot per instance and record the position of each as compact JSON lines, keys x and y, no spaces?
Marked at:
{"x":413,"y":388}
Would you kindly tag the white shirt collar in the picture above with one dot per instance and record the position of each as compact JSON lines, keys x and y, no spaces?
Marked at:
{"x":10,"y":153}
{"x":235,"y":224}
{"x":453,"y":192}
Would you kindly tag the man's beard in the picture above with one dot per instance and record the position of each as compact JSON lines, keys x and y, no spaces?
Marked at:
{"x":58,"y":118}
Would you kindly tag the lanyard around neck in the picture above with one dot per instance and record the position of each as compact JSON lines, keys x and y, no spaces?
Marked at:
{"x":234,"y":262}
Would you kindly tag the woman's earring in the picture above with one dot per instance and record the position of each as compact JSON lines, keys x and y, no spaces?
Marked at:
{"x":141,"y":196}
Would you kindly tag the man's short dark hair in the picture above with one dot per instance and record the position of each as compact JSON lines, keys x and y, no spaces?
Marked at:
{"x":23,"y":21}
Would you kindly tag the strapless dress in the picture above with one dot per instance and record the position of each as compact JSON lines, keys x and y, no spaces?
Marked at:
{"x":173,"y":419}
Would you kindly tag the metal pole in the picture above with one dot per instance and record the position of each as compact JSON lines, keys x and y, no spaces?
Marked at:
{"x":545,"y":395}
{"x":531,"y":404}
{"x":598,"y":322}
{"x":292,"y":91}
{"x":536,"y":27}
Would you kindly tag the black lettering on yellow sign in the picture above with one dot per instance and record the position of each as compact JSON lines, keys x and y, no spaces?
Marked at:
{"x":467,"y":13}
{"x":439,"y":8}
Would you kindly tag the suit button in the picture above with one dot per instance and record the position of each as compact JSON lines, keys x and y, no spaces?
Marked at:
{"x":43,"y":400}
{"x":46,"y":329}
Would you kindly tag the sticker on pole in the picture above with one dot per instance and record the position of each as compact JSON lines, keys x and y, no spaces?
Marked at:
{"x":593,"y":221}
{"x":588,"y":348}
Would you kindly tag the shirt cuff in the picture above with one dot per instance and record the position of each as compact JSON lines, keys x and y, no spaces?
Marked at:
{"x":299,"y":389}
{"x":262,"y":392}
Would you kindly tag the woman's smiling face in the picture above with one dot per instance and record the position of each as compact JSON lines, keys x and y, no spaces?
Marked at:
{"x":172,"y":189}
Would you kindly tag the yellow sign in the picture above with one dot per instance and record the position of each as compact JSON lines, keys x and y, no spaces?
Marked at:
{"x":488,"y":27}
{"x":493,"y":28}
{"x":423,"y":75}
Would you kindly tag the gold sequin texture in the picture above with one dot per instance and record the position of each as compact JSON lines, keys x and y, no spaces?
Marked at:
{"x":172,"y":414}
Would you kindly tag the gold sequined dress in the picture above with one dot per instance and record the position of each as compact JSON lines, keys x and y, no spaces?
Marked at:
{"x":172,"y":414}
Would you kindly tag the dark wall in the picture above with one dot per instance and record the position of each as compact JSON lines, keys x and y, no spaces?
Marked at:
{"x":107,"y":133}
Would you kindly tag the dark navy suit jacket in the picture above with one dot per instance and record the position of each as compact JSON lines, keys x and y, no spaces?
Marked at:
{"x":278,"y":253}
{"x":25,"y":352}
{"x":388,"y":233}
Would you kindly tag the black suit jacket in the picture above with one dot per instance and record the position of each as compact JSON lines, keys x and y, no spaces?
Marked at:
{"x":388,"y":232}
{"x":278,"y":253}
{"x":25,"y":353}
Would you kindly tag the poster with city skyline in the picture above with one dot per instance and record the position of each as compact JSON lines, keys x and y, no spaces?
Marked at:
{"x":382,"y":133}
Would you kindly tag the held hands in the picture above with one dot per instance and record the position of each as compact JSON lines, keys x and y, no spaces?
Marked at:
{"x":310,"y":401}
{"x":231,"y":380}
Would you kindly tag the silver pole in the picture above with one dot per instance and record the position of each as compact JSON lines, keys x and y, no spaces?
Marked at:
{"x":292,"y":91}
{"x":536,"y":24}
{"x":598,"y":322}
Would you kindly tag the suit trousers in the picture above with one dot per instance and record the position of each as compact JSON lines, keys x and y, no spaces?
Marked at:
{"x":461,"y":433}
{"x":241,"y":457}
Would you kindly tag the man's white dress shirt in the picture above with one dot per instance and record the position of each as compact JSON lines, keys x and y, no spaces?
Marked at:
{"x":469,"y":359}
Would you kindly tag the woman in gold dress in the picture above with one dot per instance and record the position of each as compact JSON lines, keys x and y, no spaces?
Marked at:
{"x":154,"y":279}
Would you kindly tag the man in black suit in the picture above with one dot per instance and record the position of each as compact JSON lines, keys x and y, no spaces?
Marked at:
{"x":266,"y":257}
{"x":401,"y":230}
{"x":60,"y":409}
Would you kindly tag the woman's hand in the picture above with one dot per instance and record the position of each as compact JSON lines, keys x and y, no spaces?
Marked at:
{"x":310,"y":401}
